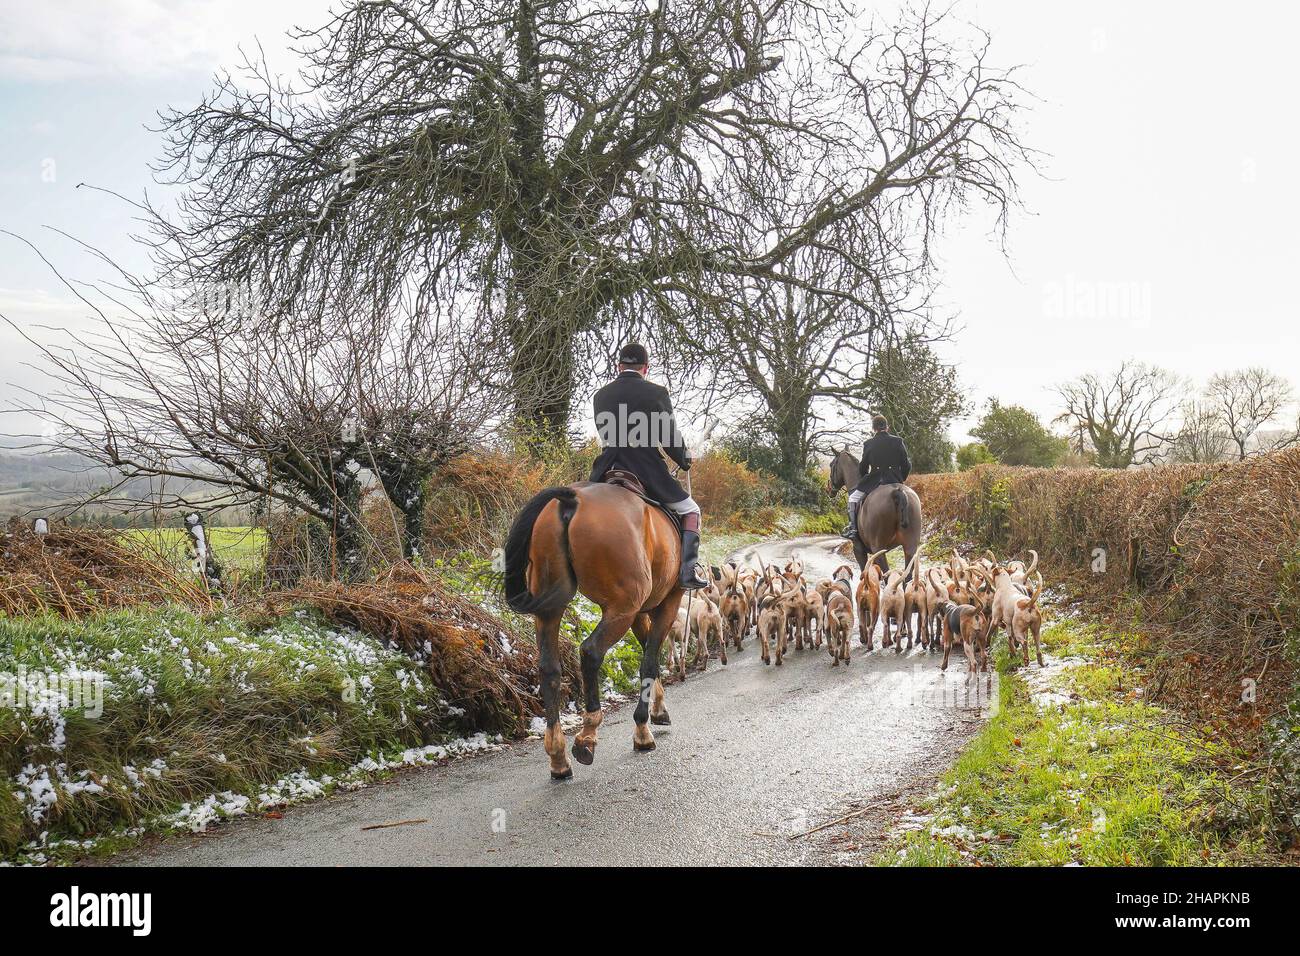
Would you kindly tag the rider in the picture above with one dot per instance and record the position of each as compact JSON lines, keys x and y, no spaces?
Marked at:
{"x":884,"y":461}
{"x":634,"y":418}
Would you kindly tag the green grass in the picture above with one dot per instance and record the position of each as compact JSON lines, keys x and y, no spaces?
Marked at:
{"x":202,"y":717}
{"x":822,"y":522}
{"x":237,"y":547}
{"x":1105,"y":780}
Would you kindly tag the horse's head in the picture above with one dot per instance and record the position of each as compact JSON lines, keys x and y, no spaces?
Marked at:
{"x":844,"y":470}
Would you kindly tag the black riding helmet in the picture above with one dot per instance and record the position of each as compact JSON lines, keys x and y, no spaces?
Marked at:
{"x":634,"y":353}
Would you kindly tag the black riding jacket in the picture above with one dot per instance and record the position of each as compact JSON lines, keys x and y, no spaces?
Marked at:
{"x":634,"y":419}
{"x":884,"y":460}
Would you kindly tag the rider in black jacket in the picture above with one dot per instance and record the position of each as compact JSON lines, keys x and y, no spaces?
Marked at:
{"x":634,"y":419}
{"x":884,"y":461}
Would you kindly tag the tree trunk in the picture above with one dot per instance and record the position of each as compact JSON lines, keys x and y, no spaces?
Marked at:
{"x":542,"y":375}
{"x":347,"y":535}
{"x":789,"y":424}
{"x":413,"y":526}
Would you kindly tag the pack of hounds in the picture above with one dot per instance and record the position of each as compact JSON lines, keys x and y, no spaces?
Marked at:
{"x":962,"y":604}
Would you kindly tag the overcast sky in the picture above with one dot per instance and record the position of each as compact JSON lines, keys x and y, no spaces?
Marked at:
{"x":1163,"y":229}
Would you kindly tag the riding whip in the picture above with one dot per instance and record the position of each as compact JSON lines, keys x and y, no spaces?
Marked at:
{"x":690,"y":595}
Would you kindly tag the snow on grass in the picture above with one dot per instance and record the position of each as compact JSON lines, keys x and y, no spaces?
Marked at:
{"x":197,"y":714}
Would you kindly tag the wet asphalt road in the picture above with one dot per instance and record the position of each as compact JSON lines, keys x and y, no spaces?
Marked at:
{"x":754,"y":755}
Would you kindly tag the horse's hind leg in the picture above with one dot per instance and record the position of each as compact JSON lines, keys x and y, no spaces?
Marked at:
{"x":607,"y":633}
{"x":860,"y":554}
{"x":650,"y":630}
{"x":550,"y":670}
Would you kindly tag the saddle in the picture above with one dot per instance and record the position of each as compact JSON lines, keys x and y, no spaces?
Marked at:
{"x":626,"y":479}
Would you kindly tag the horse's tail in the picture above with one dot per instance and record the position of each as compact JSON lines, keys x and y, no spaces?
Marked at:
{"x":518,"y":544}
{"x":900,"y":502}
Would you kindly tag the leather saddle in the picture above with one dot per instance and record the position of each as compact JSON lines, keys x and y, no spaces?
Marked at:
{"x":626,"y":479}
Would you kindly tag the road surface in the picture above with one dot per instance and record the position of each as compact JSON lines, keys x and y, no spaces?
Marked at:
{"x":755,"y":757}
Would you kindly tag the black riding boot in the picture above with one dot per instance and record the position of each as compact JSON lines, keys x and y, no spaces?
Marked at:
{"x":851,"y":529}
{"x":691,"y":579}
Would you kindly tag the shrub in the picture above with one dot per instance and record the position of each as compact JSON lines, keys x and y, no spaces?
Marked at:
{"x":728,"y":492}
{"x":968,"y":456}
{"x":1206,"y":547}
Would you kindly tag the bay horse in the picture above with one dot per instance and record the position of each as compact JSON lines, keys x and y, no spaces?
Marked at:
{"x":622,"y":553}
{"x":888,"y":517}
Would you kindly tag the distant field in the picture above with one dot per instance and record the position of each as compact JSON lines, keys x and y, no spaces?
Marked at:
{"x":241,"y":547}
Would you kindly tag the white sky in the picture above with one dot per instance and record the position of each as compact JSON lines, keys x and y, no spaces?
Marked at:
{"x":1162,"y":231}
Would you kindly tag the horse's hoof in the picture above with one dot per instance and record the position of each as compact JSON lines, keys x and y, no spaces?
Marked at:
{"x":642,"y":748}
{"x":565,"y":774}
{"x":661,"y":720}
{"x":584,"y":755}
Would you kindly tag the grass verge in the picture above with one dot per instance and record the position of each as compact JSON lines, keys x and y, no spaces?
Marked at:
{"x":199,"y":718}
{"x":1076,"y":768}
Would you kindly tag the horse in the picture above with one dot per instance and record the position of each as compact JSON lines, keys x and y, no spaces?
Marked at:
{"x":888,"y":517}
{"x":622,"y":553}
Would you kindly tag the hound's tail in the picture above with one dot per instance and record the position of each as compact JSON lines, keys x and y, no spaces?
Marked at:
{"x":1033,"y":594}
{"x":518,"y":544}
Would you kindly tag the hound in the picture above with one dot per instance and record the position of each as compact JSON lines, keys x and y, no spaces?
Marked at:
{"x":771,"y":627}
{"x":868,"y":600}
{"x":967,"y":625}
{"x":815,"y":604}
{"x":734,"y":609}
{"x":796,"y":616}
{"x":748,"y":580}
{"x":1019,"y":572}
{"x":894,"y":606}
{"x":937,"y":594}
{"x":705,"y":622}
{"x":839,"y":621}
{"x":1018,"y":613}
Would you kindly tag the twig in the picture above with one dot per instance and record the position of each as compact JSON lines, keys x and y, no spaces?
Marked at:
{"x":399,"y":823}
{"x":848,"y":816}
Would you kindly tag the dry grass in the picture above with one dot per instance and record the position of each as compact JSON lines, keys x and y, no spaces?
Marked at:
{"x":474,"y":498}
{"x":74,"y":572}
{"x":732,"y":496}
{"x":469,"y":656}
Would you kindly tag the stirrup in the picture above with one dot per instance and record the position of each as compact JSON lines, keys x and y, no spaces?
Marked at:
{"x":850,"y":532}
{"x":691,"y":580}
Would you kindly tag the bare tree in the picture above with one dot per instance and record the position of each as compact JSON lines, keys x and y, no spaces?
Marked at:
{"x":1201,"y":437}
{"x":557,"y":164}
{"x":1120,"y":417}
{"x":791,"y":349}
{"x":1247,"y":400}
{"x":236,"y":417}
